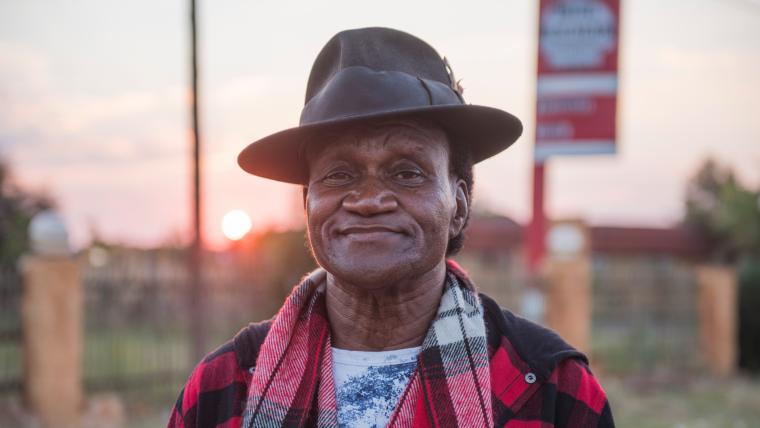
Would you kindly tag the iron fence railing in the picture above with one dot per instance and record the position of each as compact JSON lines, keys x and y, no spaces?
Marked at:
{"x":136,"y":328}
{"x":645,"y":316}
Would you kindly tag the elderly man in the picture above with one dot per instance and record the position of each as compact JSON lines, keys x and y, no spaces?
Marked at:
{"x":388,"y":332}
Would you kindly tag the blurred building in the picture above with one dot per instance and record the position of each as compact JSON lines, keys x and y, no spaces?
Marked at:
{"x":495,"y":245}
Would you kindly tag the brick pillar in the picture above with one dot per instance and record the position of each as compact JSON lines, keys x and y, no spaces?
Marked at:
{"x":568,"y":283}
{"x":52,"y":328}
{"x":718,"y":315}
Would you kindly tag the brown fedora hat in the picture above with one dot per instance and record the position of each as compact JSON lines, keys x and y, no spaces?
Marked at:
{"x":379,"y":73}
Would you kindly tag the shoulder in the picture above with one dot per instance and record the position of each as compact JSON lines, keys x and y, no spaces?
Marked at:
{"x":247,"y":342}
{"x":217,"y":387}
{"x":562,"y":375}
{"x":528,"y":344}
{"x":538,"y":347}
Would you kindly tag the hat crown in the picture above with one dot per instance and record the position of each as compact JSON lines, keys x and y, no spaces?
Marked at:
{"x":379,"y":49}
{"x":371,"y":74}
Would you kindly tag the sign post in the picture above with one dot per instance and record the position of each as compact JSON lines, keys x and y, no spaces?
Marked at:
{"x":576,"y":103}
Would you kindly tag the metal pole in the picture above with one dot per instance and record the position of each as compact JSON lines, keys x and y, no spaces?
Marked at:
{"x":197,"y":318}
{"x":533,"y":306}
{"x":537,"y":227}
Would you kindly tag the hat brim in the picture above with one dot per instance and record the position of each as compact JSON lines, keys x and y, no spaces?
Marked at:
{"x":485,"y":131}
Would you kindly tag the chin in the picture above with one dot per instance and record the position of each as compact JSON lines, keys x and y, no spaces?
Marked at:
{"x":376,"y":272}
{"x":369,"y":273}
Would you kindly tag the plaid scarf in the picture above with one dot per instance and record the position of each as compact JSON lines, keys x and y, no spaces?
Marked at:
{"x":293,"y":385}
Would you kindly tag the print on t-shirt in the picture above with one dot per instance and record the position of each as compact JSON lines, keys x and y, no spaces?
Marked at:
{"x":368,"y":385}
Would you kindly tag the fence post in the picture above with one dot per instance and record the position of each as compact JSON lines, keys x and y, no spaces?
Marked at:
{"x":51,"y":312}
{"x":568,"y":282}
{"x":718,"y":315}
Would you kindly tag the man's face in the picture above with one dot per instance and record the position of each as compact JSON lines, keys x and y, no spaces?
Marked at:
{"x":381,"y":204}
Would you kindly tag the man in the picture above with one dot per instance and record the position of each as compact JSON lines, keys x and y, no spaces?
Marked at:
{"x":388,"y":332}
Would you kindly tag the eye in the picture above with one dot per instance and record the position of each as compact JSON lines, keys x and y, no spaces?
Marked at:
{"x":337,"y":177}
{"x":409,"y":176}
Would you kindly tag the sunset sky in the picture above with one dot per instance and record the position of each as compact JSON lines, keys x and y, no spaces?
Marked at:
{"x":94,"y":104}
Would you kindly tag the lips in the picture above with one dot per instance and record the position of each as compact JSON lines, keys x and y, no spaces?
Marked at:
{"x":369,"y":230}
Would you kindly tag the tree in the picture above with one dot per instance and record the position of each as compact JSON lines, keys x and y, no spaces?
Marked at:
{"x":17,"y":207}
{"x":725,"y":212}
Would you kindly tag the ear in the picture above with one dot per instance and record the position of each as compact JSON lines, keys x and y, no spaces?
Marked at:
{"x":462,"y":208}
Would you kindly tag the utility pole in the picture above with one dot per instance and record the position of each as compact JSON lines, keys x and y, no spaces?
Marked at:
{"x":197,"y":314}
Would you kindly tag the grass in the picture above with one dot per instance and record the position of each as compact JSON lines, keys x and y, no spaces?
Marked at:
{"x":685,"y":403}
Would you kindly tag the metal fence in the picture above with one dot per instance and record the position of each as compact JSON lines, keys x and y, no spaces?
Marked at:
{"x":645,"y":316}
{"x":136,"y":326}
{"x":134,"y":334}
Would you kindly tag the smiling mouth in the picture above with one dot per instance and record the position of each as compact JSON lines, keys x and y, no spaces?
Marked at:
{"x":370,"y":230}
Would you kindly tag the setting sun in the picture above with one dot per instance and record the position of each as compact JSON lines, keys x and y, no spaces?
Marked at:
{"x":236,"y":224}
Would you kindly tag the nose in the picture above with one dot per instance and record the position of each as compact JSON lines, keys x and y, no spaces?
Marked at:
{"x":370,"y":197}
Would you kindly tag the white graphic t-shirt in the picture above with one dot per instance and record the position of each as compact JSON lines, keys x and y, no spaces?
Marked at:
{"x":368,"y":385}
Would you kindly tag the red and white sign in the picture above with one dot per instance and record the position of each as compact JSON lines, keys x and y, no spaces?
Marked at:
{"x":577,"y":77}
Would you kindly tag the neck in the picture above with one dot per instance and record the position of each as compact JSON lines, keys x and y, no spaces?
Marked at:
{"x":396,"y":316}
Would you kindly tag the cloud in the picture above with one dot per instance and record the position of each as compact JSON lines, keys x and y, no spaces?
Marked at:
{"x":40,"y":123}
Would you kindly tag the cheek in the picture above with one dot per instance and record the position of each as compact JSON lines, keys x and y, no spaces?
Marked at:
{"x":317,"y":214}
{"x":436,"y":217}
{"x":312,"y":217}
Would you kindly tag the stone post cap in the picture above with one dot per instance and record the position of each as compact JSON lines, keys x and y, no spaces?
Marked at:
{"x":48,"y":234}
{"x":567,"y":239}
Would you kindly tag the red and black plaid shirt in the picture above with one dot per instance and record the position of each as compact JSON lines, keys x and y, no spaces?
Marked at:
{"x":537,"y":380}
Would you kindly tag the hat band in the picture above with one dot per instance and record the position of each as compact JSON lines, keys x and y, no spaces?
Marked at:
{"x":359,"y":91}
